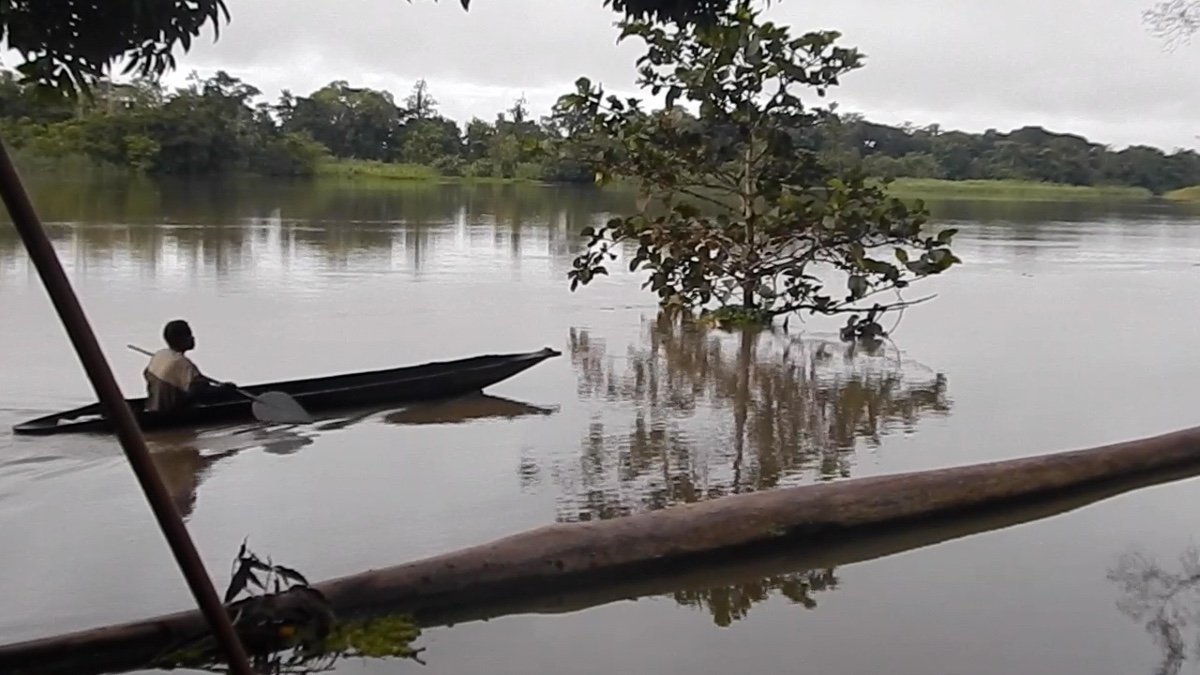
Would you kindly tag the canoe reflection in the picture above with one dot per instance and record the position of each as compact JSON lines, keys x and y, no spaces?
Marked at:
{"x":185,"y":458}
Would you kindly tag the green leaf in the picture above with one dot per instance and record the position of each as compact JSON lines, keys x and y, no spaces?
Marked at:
{"x":902,"y":255}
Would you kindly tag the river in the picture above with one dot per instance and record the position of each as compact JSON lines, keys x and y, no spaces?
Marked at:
{"x":1069,"y":325}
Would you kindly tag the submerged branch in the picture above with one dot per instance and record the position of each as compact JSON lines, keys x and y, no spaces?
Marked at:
{"x":849,"y":308}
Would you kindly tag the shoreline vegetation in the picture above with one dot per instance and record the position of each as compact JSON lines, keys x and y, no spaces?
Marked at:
{"x":333,"y":171}
{"x":1187,"y":194}
{"x":929,"y":189}
{"x":1012,"y":190}
{"x":220,"y":127}
{"x":904,"y":188}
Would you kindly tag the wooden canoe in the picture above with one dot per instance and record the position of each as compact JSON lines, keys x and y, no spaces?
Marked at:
{"x":427,"y":382}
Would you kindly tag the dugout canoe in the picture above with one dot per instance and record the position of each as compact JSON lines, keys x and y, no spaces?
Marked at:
{"x":426,"y":382}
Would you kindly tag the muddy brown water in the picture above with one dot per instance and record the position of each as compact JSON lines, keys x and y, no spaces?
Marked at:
{"x":1068,"y":326}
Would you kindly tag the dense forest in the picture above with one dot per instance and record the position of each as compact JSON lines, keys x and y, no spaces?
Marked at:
{"x":221,"y":125}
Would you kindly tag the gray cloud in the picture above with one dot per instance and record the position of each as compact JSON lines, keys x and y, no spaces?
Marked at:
{"x":1085,"y":66}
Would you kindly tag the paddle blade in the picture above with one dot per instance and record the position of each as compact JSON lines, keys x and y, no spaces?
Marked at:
{"x":279,"y":408}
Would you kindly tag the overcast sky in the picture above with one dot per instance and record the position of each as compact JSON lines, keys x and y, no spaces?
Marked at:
{"x":1083,"y":66}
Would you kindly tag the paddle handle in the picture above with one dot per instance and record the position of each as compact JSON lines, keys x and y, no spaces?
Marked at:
{"x":243,"y":392}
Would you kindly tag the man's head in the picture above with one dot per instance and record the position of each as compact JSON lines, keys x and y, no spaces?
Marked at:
{"x":178,"y":335}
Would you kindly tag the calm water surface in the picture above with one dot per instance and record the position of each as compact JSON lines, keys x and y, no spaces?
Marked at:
{"x":1069,"y":326}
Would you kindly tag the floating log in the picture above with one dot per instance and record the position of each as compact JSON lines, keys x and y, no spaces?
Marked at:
{"x":582,"y":564}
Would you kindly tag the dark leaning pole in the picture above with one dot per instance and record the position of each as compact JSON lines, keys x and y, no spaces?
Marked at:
{"x":45,"y":260}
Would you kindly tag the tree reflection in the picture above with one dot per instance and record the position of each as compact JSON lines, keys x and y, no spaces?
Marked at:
{"x":1166,"y":602}
{"x":733,"y":603}
{"x":235,"y":227}
{"x":704,"y":414}
{"x":692,"y":414}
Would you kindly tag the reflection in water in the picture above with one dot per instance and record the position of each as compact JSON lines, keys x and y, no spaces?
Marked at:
{"x":1166,"y":602}
{"x":184,"y":458}
{"x":182,"y":469}
{"x":450,"y":411}
{"x":256,"y":227}
{"x":714,"y":414}
{"x":455,"y":411}
{"x":730,"y":583}
{"x":292,"y":632}
{"x":733,"y":603}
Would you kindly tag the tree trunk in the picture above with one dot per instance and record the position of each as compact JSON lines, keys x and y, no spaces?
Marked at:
{"x":580,"y":558}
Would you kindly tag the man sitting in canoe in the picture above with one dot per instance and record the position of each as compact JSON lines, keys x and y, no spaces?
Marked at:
{"x":173,"y":382}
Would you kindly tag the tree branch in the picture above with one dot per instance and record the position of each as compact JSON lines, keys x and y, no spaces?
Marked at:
{"x":848,"y":308}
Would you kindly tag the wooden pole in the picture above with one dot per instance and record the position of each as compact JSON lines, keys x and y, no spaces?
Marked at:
{"x":45,"y":260}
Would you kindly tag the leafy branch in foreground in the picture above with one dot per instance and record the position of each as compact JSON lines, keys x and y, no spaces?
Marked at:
{"x":69,"y":43}
{"x":736,"y":208}
{"x":289,"y":627}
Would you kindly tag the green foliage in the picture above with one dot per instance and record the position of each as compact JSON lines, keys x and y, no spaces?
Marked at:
{"x":1010,"y":190}
{"x":677,"y":11}
{"x":1029,"y":154}
{"x":1187,"y":194}
{"x":383,"y":637}
{"x":736,"y":206}
{"x":352,"y":122}
{"x":287,"y":625}
{"x":450,"y":165}
{"x":734,"y":316}
{"x":374,"y":169}
{"x":217,"y":126}
{"x":66,"y":44}
{"x":141,"y":151}
{"x":429,"y":139}
{"x":420,"y":104}
{"x":289,"y":154}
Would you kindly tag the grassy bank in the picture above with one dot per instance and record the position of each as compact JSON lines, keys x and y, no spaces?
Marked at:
{"x":1187,"y":194}
{"x":1010,"y":190}
{"x":357,"y":169}
{"x":906,"y":188}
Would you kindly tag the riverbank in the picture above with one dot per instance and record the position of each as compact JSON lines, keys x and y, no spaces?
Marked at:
{"x":384,"y":174}
{"x":1187,"y":194}
{"x":906,"y":188}
{"x":1011,"y":190}
{"x":365,"y":170}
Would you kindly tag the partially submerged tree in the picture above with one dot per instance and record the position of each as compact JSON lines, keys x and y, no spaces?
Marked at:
{"x":736,"y":208}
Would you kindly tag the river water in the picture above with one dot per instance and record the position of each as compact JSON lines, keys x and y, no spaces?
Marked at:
{"x":1067,"y":326}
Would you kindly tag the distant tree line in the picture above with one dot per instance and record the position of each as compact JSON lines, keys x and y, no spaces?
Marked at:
{"x":219,"y":125}
{"x":1028,"y":153}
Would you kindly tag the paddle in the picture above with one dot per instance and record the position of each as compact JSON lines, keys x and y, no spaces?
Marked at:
{"x":275,"y":407}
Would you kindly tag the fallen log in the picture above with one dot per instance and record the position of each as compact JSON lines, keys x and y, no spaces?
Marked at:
{"x":749,"y":565}
{"x":638,"y":554}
